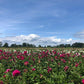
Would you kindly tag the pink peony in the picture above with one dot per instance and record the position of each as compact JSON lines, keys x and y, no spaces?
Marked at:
{"x":76,"y":65}
{"x":31,"y":65}
{"x":1,"y":82}
{"x":41,"y":75}
{"x":22,"y":58}
{"x":66,"y":68}
{"x":7,"y":70}
{"x":49,"y":69}
{"x":25,"y":52}
{"x":26,"y":63}
{"x":16,"y":72}
{"x":82,"y":81}
{"x":80,"y":62}
{"x":33,"y":69}
{"x":56,"y":57}
{"x":4,"y":76}
{"x":25,"y":70}
{"x":1,"y":51}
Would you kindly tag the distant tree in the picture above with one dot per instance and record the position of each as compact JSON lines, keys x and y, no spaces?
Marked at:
{"x":28,"y":45}
{"x":0,"y":44}
{"x":61,"y":45}
{"x":5,"y":45}
{"x":13,"y":45}
{"x":32,"y":45}
{"x":39,"y":46}
{"x":24,"y":44}
{"x":19,"y":45}
{"x":67,"y":45}
{"x":79,"y":45}
{"x":48,"y":45}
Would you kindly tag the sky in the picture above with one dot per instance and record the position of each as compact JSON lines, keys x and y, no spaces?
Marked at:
{"x":44,"y":22}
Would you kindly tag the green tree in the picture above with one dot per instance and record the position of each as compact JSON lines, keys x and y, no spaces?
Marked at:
{"x":79,"y":45}
{"x":67,"y":45}
{"x":13,"y":45}
{"x":24,"y":44}
{"x":39,"y":46}
{"x":5,"y":45}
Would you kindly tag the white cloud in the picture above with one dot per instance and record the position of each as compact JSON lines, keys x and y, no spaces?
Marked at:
{"x":36,"y":39}
{"x":69,"y":40}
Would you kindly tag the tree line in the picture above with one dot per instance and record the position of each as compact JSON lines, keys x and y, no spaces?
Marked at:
{"x":74,"y":45}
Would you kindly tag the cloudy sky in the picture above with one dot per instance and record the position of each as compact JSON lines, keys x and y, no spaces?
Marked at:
{"x":45,"y":22}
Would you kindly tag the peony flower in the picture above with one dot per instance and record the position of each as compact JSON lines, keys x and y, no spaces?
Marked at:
{"x":7,"y":70}
{"x":66,"y":68}
{"x":52,"y":60}
{"x":33,"y":59}
{"x":41,"y":75}
{"x":56,"y":57}
{"x":33,"y":69}
{"x":82,"y":81}
{"x":22,"y":58}
{"x":63,"y":60}
{"x":25,"y":52}
{"x":4,"y":76}
{"x":16,"y":72}
{"x":1,"y":51}
{"x":76,"y":65}
{"x":26,"y":63}
{"x":49,"y":69}
{"x":31,"y":65}
{"x":80,"y":62}
{"x":1,"y":82}
{"x":58,"y":64}
{"x":25,"y":70}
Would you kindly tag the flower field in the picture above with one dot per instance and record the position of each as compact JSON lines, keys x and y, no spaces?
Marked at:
{"x":42,"y":66}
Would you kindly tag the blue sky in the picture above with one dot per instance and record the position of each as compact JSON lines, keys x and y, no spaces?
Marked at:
{"x":60,"y":19}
